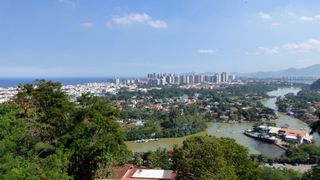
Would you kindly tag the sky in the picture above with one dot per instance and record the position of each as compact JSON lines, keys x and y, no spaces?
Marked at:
{"x":106,"y":38}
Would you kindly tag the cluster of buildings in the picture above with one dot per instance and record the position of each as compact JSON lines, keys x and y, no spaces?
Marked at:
{"x":279,"y":136}
{"x":160,"y":79}
{"x":96,"y":89}
{"x":7,"y":93}
{"x":125,"y":81}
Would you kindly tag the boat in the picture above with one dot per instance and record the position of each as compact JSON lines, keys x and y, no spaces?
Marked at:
{"x":260,"y":137}
{"x":146,"y":140}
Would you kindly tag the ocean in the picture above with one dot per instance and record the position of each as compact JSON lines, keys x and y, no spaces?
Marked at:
{"x":14,"y":82}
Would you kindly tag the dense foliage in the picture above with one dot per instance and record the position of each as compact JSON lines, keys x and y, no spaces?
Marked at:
{"x":43,"y":135}
{"x":175,"y":123}
{"x":213,"y":158}
{"x":304,"y":105}
{"x":153,"y":159}
{"x":278,"y":174}
{"x":303,"y":154}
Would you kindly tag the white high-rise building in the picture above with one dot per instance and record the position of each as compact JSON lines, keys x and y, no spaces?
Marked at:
{"x":217,"y":78}
{"x":224,"y":77}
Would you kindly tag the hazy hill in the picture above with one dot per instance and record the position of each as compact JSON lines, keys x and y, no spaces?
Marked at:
{"x":315,"y":85}
{"x":313,"y":70}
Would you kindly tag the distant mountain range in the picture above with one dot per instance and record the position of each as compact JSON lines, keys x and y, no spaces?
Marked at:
{"x":310,"y":71}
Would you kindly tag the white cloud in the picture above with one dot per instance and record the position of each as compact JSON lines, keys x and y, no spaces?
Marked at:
{"x":306,"y":18}
{"x":307,"y":46}
{"x":312,"y":45}
{"x":264,"y":16}
{"x":131,"y":18}
{"x":207,"y":51}
{"x":310,"y":18}
{"x":269,"y":51}
{"x":158,"y":24}
{"x":70,"y":2}
{"x":86,"y":25}
{"x":136,"y":18}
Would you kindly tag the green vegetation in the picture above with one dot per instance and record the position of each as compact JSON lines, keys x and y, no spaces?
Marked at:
{"x":278,"y":174}
{"x":175,"y":123}
{"x":153,"y":159}
{"x":175,"y":112}
{"x":314,"y":173}
{"x":213,"y":158}
{"x":302,"y":154}
{"x":303,"y":106}
{"x":45,"y":136}
{"x":315,"y":85}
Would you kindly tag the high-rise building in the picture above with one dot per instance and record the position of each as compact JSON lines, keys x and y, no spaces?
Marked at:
{"x":217,"y":78}
{"x":117,"y":81}
{"x":176,"y":79}
{"x":224,"y":77}
{"x":232,"y":77}
{"x":187,"y":79}
{"x":191,"y":79}
{"x":181,"y":79}
{"x":198,"y":78}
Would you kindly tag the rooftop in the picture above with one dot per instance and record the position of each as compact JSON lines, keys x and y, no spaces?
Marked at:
{"x":129,"y":172}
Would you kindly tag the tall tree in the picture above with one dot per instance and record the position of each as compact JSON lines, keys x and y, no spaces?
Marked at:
{"x":54,"y":138}
{"x":98,"y":142}
{"x":212,"y":158}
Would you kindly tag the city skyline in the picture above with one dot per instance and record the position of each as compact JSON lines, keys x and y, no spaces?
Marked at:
{"x":75,"y":38}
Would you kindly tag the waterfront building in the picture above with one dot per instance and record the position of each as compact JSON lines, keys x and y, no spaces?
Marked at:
{"x":295,"y":136}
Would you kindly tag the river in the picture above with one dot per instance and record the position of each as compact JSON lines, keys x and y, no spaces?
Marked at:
{"x":235,"y":131}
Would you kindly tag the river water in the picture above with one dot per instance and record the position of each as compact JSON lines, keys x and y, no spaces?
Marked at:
{"x":235,"y":131}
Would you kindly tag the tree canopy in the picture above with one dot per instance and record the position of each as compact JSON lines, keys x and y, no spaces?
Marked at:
{"x":205,"y":157}
{"x":43,"y":135}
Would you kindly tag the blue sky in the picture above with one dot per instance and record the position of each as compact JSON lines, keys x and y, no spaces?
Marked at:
{"x":81,"y":38}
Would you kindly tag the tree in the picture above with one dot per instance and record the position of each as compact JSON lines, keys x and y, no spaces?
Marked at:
{"x":278,"y":174}
{"x":159,"y":159}
{"x":20,"y":161}
{"x":312,"y":174}
{"x":205,"y":157}
{"x":43,"y":135}
{"x":98,"y":142}
{"x":315,"y":126}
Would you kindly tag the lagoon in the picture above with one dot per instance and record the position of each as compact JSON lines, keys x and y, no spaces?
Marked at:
{"x":235,"y":130}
